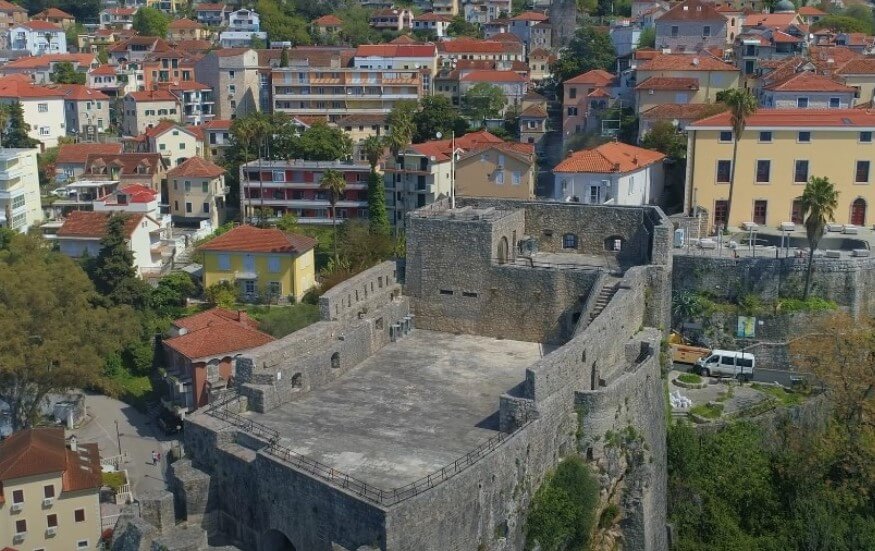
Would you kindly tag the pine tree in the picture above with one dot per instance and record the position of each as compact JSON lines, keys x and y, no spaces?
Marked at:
{"x":16,"y":135}
{"x":113,"y":271}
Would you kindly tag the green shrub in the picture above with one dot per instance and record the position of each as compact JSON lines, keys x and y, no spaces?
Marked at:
{"x":563,"y":510}
{"x":609,"y":514}
{"x":114,"y":480}
{"x":708,"y":411}
{"x":786,"y":398}
{"x":690,"y":378}
{"x":279,"y":321}
{"x":812,"y":304}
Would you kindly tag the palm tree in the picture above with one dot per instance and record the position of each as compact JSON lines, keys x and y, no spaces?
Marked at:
{"x":334,"y":183}
{"x":819,"y":202}
{"x":741,"y":104}
{"x":374,"y":147}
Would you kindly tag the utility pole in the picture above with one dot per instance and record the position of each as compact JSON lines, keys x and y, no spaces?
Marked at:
{"x":118,"y":438}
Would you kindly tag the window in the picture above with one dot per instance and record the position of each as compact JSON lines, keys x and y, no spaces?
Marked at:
{"x":51,"y":521}
{"x":21,"y":526}
{"x":572,"y":111}
{"x":79,"y":515}
{"x":720,"y":208}
{"x":862,"y":172}
{"x":725,"y":136}
{"x":44,"y":130}
{"x":706,"y":30}
{"x":674,"y":31}
{"x":759,"y":212}
{"x":249,"y":263}
{"x":82,"y":544}
{"x":516,"y":178}
{"x":249,"y":286}
{"x":273,"y":264}
{"x":205,"y":187}
{"x":230,"y":74}
{"x":224,"y":262}
{"x":865,"y":137}
{"x":764,"y":169}
{"x":572,"y":93}
{"x":569,"y":241}
{"x":279,"y":176}
{"x":48,"y":491}
{"x":724,"y":171}
{"x":187,"y":187}
{"x":18,"y":496}
{"x":766,"y":137}
{"x":802,"y":103}
{"x":275,"y":288}
{"x":206,"y":208}
{"x":499,"y":177}
{"x":42,"y":107}
{"x":804,"y":137}
{"x":800,"y":173}
{"x":835,"y":103}
{"x":162,"y":146}
{"x":182,"y":146}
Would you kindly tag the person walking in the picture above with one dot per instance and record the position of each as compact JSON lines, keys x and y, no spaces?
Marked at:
{"x":154,"y":457}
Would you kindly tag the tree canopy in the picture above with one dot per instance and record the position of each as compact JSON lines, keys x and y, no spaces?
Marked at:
{"x":151,"y":22}
{"x":281,"y":23}
{"x":842,"y":23}
{"x":321,"y":142}
{"x":437,"y":114}
{"x":55,"y":335}
{"x":590,"y":48}
{"x":16,"y":134}
{"x":483,"y":101}
{"x":401,"y":125}
{"x":666,"y":139}
{"x":64,"y":73}
{"x":459,"y":26}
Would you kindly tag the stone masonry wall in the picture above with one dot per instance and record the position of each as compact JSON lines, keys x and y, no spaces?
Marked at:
{"x":848,"y":282}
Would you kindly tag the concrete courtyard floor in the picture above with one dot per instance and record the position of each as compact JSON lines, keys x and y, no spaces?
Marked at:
{"x":415,"y":406}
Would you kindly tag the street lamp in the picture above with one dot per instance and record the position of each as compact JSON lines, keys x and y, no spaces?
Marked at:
{"x":440,"y":135}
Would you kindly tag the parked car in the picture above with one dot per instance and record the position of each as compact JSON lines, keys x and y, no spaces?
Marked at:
{"x":727,"y":363}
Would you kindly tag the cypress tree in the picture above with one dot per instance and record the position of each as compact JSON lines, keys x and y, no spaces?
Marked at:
{"x":379,"y":219}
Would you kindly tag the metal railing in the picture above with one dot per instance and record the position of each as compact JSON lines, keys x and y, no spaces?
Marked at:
{"x":348,"y":482}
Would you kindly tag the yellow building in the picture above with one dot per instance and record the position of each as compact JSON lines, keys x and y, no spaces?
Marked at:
{"x":49,"y":493}
{"x":683,"y":78}
{"x":778,"y":152}
{"x":196,"y":190}
{"x":262,"y":263}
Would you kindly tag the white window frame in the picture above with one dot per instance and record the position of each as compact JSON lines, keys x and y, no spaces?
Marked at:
{"x":224,"y":261}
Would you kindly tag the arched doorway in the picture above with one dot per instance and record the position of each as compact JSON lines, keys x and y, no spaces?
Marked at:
{"x":858,"y":212}
{"x":502,"y":250}
{"x":274,"y":540}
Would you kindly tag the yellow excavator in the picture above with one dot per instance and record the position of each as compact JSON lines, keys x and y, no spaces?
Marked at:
{"x":683,"y":352}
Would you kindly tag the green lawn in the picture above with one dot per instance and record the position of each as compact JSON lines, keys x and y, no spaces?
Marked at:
{"x":784,"y":397}
{"x":708,"y":411}
{"x":279,"y":321}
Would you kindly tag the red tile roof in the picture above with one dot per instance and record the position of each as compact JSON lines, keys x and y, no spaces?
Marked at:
{"x":682,"y":111}
{"x":10,"y":7}
{"x":328,"y":21}
{"x":779,"y":20}
{"x":686,"y":62}
{"x":122,"y":11}
{"x":809,"y":82}
{"x":493,"y":76}
{"x":218,"y":124}
{"x":127,"y":163}
{"x":431,"y":16}
{"x":54,"y":13}
{"x":207,"y":6}
{"x":152,"y":95}
{"x":396,"y":50}
{"x":34,"y":62}
{"x":796,"y":118}
{"x":77,"y":153}
{"x":810,"y":10}
{"x":196,"y":167}
{"x":474,"y":45}
{"x":257,"y":240}
{"x":198,"y":321}
{"x":534,"y":112}
{"x":530,"y":16}
{"x":42,"y":451}
{"x":40,"y":26}
{"x":80,"y":92}
{"x":103,"y":70}
{"x":88,"y":224}
{"x":216,"y":335}
{"x":596,"y":77}
{"x":669,"y":83}
{"x":136,"y":193}
{"x":693,"y":10}
{"x":19,"y":86}
{"x":609,"y":157}
{"x":860,"y":66}
{"x":506,"y":37}
{"x":182,"y":24}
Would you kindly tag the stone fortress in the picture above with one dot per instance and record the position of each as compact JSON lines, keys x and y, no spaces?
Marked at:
{"x":426,"y":407}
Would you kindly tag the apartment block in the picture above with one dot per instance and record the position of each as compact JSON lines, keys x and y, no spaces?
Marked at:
{"x":293,"y":187}
{"x":19,"y":189}
{"x":233,"y":76}
{"x":778,"y":152}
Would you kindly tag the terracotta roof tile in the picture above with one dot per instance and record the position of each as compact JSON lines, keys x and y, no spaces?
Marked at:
{"x":474,"y":45}
{"x":328,"y":21}
{"x":530,"y":16}
{"x":779,"y":20}
{"x":196,"y":167}
{"x":8,"y":7}
{"x":533,"y":112}
{"x":860,"y":66}
{"x":431,"y":16}
{"x":127,"y":162}
{"x":93,"y":224}
{"x":493,"y":76}
{"x":693,"y":10}
{"x":596,"y":77}
{"x":19,"y":86}
{"x":256,"y":240}
{"x":103,"y":70}
{"x":219,"y":337}
{"x":810,"y":10}
{"x":182,"y":24}
{"x":152,"y":95}
{"x":396,"y":50}
{"x":218,"y":124}
{"x":809,"y":82}
{"x":53,"y":13}
{"x":41,"y":451}
{"x":39,"y":61}
{"x":80,"y":92}
{"x":208,"y":6}
{"x":135,"y":193}
{"x":669,"y":83}
{"x":682,"y":111}
{"x":39,"y":26}
{"x":609,"y":157}
{"x":77,"y":153}
{"x":686,"y":62}
{"x":198,"y":321}
{"x":122,"y":11}
{"x":797,"y":118}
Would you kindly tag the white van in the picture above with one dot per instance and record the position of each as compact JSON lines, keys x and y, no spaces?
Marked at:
{"x":727,"y":363}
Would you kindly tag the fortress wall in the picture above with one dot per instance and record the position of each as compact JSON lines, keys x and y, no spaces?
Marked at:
{"x":361,"y":293}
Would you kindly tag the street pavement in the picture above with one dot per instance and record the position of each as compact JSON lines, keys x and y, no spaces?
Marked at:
{"x":139,"y":436}
{"x":760,"y":375}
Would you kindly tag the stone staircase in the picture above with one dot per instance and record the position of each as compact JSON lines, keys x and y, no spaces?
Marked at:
{"x":607,"y":292}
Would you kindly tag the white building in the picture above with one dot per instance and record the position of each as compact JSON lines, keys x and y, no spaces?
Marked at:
{"x":43,"y":107}
{"x":38,"y":37}
{"x":82,"y":232}
{"x":611,"y":174}
{"x":19,"y":189}
{"x":243,"y":26}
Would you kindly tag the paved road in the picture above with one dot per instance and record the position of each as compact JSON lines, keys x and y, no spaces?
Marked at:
{"x":760,"y":375}
{"x":139,"y":436}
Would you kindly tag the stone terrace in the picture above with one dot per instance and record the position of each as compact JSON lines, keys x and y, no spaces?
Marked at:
{"x":415,"y":406}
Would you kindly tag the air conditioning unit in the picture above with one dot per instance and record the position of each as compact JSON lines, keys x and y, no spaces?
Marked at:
{"x":16,"y":507}
{"x":51,"y":532}
{"x":47,"y":502}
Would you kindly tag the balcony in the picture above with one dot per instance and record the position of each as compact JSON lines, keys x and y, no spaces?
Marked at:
{"x":304,"y":203}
